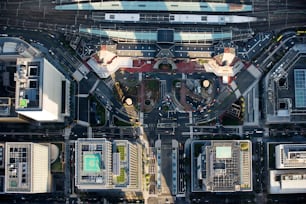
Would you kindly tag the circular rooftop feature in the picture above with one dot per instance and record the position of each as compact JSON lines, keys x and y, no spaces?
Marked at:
{"x":206,"y":83}
{"x":129,"y":101}
{"x":54,"y":153}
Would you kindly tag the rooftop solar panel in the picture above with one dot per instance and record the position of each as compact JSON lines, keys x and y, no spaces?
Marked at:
{"x":165,"y":36}
{"x":300,"y":88}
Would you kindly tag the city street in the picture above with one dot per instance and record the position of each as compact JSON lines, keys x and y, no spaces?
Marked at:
{"x":169,"y":76}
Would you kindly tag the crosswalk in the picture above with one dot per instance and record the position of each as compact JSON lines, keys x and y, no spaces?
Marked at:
{"x":109,"y":82}
{"x":151,"y":126}
{"x":163,"y":88}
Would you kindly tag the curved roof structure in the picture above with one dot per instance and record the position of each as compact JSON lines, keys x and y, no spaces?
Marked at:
{"x":157,"y":6}
{"x":152,"y":35}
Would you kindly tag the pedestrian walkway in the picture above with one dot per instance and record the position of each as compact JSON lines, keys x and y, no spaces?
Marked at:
{"x":148,"y":66}
{"x":152,"y":126}
{"x":190,"y":127}
{"x":163,"y":88}
{"x":94,"y":86}
{"x":109,"y":82}
{"x":186,"y":67}
{"x":89,"y":132}
{"x":67,"y":132}
{"x":140,"y":77}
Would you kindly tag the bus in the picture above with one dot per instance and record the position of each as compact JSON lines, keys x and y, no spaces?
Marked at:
{"x":301,"y":32}
{"x":279,"y":38}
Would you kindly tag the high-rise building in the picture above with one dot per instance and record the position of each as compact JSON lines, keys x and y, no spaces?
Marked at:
{"x":290,"y":156}
{"x":27,"y":168}
{"x":287,"y":181}
{"x":93,"y":164}
{"x":42,"y":92}
{"x":32,"y":88}
{"x":101,"y":164}
{"x":221,"y":166}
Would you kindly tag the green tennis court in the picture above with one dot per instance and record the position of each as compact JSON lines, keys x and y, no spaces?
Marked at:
{"x":91,"y":162}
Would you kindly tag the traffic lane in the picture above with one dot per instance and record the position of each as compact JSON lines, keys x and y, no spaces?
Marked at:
{"x":85,"y":85}
{"x":165,"y":132}
{"x":113,"y":111}
{"x":79,"y":130}
{"x":216,"y":110}
{"x":42,"y":40}
{"x":152,"y":117}
{"x":103,"y":89}
{"x":258,"y":166}
{"x":107,"y":99}
{"x":38,"y":36}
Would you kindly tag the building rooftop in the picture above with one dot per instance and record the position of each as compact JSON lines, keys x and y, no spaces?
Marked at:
{"x":285,"y":88}
{"x":102,"y":164}
{"x":151,"y":36}
{"x":290,"y":156}
{"x":19,"y":167}
{"x":33,"y":89}
{"x":42,"y":92}
{"x":300,"y":88}
{"x":221,"y":166}
{"x":121,"y":164}
{"x":105,"y":63}
{"x":157,"y":6}
{"x":225,"y":64}
{"x":29,"y":83}
{"x":10,"y":50}
{"x":287,"y":181}
{"x":27,"y":168}
{"x":223,"y":152}
{"x":11,"y":47}
{"x":93,"y":163}
{"x":167,"y":167}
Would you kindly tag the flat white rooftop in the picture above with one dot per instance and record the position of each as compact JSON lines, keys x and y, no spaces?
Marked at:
{"x":287,"y":181}
{"x":290,"y":156}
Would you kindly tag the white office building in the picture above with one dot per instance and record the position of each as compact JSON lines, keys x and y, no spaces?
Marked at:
{"x":27,"y":168}
{"x":290,"y":156}
{"x":287,"y":181}
{"x":42,"y":92}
